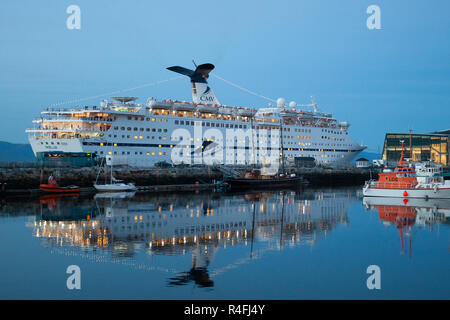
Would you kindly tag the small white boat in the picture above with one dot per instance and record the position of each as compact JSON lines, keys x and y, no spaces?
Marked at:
{"x":114,"y":184}
{"x":115,"y":187}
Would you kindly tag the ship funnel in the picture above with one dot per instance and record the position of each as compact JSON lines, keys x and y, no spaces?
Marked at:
{"x":201,"y":92}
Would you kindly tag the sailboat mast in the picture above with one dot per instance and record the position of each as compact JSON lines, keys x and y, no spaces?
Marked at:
{"x":282,"y":148}
{"x":111,"y":171}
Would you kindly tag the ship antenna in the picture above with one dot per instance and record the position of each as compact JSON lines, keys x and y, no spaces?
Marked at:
{"x":400,"y":162}
{"x":194,"y":63}
{"x":314,"y":104}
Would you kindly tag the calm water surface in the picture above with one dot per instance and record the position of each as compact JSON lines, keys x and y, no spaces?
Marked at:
{"x":313,"y":244}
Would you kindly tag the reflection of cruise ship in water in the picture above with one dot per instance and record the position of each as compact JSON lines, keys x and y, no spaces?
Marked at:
{"x":405,"y":213}
{"x":198,"y":224}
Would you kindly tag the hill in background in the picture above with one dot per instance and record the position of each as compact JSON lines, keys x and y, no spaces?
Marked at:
{"x":16,"y":152}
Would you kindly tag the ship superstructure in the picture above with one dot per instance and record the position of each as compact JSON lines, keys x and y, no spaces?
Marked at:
{"x":142,"y":134}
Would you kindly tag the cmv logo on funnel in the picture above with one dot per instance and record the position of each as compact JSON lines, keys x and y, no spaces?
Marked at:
{"x":205,"y":97}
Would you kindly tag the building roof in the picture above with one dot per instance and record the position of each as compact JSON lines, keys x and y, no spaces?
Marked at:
{"x":435,"y":134}
{"x":446,"y":132}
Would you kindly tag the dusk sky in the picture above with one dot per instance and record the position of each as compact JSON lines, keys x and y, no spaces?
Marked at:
{"x":388,"y":80}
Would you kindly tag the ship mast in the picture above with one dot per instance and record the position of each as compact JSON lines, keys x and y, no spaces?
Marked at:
{"x":282,"y":148}
{"x":400,"y":161}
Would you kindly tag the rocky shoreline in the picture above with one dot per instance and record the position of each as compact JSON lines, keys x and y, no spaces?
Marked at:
{"x":29,"y":178}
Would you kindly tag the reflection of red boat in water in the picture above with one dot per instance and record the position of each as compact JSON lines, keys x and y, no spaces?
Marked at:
{"x":52,"y":187}
{"x":406,"y":213}
{"x":402,"y":216}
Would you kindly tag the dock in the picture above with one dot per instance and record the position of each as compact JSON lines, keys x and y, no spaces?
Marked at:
{"x":25,"y":181}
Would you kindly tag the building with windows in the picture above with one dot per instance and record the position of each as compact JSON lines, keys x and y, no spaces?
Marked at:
{"x":362,"y":163}
{"x":417,"y":146}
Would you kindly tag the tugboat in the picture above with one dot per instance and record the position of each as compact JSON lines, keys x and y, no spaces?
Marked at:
{"x":52,"y":187}
{"x":405,"y":182}
{"x":254,"y":179}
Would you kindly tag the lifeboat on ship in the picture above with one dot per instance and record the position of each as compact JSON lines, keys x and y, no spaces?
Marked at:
{"x":208,"y":108}
{"x":184,"y":106}
{"x":52,"y":187}
{"x":226,"y":110}
{"x":161,"y":105}
{"x":403,"y":183}
{"x":246,"y":112}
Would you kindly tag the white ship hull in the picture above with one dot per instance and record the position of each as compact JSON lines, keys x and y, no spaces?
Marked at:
{"x":48,"y":145}
{"x":423,"y":193}
{"x":145,"y":149}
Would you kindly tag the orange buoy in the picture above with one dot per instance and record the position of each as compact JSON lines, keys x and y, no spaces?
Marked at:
{"x":405,"y":194}
{"x":405,"y":201}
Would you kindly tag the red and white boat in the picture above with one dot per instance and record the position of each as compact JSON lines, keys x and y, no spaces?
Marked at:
{"x":422,"y":180}
{"x":52,"y":187}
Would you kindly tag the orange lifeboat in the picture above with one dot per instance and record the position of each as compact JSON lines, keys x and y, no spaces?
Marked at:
{"x":52,"y":187}
{"x":403,"y":177}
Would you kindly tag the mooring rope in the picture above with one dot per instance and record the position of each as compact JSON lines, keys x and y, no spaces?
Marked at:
{"x":114,"y":92}
{"x":244,"y":89}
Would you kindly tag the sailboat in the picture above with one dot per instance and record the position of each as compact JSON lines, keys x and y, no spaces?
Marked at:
{"x":114,"y":184}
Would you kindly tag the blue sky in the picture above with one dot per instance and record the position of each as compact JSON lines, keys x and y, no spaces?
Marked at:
{"x":391,"y":79}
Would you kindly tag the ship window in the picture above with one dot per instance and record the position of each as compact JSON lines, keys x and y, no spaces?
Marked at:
{"x":129,"y":128}
{"x":386,"y":178}
{"x":159,"y":130}
{"x":176,"y":121}
{"x":135,"y":129}
{"x":147,"y":129}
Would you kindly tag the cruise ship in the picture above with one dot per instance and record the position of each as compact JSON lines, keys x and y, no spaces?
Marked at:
{"x":199,"y":132}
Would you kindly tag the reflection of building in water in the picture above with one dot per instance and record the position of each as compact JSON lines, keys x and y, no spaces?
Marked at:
{"x":405,"y":213}
{"x":199,"y":224}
